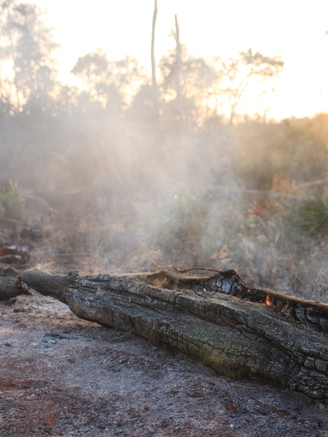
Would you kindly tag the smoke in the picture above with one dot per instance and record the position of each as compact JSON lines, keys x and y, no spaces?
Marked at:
{"x":143,"y":178}
{"x":116,"y":193}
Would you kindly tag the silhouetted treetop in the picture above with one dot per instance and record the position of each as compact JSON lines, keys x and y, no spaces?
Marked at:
{"x":27,"y":45}
{"x":105,"y":79}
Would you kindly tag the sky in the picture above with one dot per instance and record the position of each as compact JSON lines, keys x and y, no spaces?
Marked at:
{"x":292,"y":29}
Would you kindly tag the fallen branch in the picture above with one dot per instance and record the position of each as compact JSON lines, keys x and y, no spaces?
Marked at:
{"x":210,"y":315}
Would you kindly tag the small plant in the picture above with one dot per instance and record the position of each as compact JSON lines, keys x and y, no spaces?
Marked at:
{"x":182,"y":225}
{"x":12,"y":202}
{"x":312,"y":214}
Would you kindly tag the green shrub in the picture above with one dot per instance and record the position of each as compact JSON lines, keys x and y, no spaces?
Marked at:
{"x":182,"y":223}
{"x":12,"y":202}
{"x":312,"y":214}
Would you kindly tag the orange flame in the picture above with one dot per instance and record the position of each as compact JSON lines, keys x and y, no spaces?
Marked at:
{"x":267,"y":300}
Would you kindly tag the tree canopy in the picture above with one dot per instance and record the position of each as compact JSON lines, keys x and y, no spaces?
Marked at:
{"x":117,"y":124}
{"x":28,"y":45}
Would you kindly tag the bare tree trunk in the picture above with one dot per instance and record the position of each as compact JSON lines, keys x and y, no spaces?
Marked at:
{"x":178,"y":70}
{"x":18,"y":107}
{"x":153,"y":63}
{"x":214,"y":317}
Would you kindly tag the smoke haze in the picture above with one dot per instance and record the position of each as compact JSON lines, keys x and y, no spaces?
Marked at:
{"x":141,"y":176}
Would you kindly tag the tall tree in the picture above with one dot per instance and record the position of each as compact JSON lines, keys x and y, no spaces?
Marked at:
{"x":237,"y":74}
{"x":153,"y":63}
{"x":27,"y":44}
{"x":109,"y":81}
{"x":148,"y":97}
{"x":178,"y":69}
{"x":186,"y":82}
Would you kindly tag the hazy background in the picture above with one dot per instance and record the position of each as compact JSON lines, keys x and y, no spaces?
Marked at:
{"x":295,"y":30}
{"x":209,"y":165}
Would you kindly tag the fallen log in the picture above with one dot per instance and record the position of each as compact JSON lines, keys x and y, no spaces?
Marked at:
{"x":210,"y":315}
{"x":10,"y":285}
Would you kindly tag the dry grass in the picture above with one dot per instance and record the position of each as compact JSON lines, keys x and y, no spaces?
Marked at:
{"x":263,"y":241}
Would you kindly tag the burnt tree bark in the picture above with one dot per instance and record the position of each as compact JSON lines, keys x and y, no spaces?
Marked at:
{"x":10,"y":285}
{"x":210,"y":315}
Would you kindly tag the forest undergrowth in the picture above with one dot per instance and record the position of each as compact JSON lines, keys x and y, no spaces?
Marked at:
{"x":278,"y":240}
{"x":175,"y":172}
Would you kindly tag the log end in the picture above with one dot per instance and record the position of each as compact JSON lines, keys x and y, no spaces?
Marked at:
{"x":10,"y":285}
{"x":55,"y":286}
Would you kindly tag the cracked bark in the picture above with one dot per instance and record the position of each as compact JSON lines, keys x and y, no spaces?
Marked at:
{"x":10,"y":285}
{"x":211,"y":316}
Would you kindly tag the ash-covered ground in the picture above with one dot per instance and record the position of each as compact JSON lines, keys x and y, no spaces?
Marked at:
{"x":62,"y":376}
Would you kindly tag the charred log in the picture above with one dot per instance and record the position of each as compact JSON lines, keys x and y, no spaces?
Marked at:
{"x":210,"y":315}
{"x":10,"y":285}
{"x":312,"y":315}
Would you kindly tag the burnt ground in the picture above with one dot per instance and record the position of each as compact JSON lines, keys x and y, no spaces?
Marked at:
{"x":62,"y":376}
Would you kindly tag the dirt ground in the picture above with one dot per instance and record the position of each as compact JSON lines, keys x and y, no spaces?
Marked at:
{"x":62,"y":376}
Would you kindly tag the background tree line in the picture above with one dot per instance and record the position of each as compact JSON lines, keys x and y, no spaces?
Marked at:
{"x":120,"y":129}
